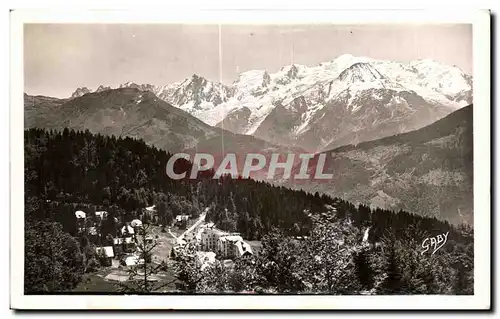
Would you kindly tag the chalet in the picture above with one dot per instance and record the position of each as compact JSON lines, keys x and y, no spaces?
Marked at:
{"x":150,"y":214}
{"x":136,"y":223}
{"x":107,"y":251}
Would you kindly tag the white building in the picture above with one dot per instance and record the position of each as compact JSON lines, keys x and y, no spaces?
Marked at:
{"x":227,"y":245}
{"x":106,"y":250}
{"x":209,"y":237}
{"x":233,"y":246}
{"x":180,"y":218}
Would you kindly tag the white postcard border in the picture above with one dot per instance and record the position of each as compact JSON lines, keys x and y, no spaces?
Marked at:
{"x":482,"y":218}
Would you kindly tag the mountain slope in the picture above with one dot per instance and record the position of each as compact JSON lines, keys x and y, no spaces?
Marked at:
{"x":39,"y":106}
{"x":428,"y":171}
{"x":126,"y":112}
{"x":241,"y":145}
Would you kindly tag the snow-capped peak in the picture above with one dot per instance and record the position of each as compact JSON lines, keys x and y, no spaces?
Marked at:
{"x":196,"y":94}
{"x":102,"y":88}
{"x":128,"y":85}
{"x":254,"y":81}
{"x":360,"y":72}
{"x":80,"y":92}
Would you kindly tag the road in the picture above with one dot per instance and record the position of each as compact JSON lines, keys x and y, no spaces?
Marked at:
{"x":200,"y":220}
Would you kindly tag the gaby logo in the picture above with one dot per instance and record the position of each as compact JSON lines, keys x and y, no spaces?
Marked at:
{"x":434,"y":242}
{"x":253,"y":163}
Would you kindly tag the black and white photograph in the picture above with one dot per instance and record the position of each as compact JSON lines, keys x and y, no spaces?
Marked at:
{"x":221,"y":158}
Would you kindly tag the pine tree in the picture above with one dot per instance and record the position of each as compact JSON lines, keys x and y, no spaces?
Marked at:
{"x":393,"y":282}
{"x":364,"y":272}
{"x":460,"y":286}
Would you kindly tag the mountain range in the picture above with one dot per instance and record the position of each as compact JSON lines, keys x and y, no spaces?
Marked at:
{"x":347,"y":100}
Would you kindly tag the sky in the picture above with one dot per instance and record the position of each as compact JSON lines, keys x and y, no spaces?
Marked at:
{"x":58,"y":58}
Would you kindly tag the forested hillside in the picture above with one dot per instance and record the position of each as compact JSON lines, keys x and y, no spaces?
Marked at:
{"x":69,"y":170}
{"x":427,"y":171}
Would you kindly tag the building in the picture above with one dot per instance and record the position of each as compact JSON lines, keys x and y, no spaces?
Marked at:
{"x":150,"y":214}
{"x":107,"y":251}
{"x":209,"y":235}
{"x":123,"y":245}
{"x":180,"y":218}
{"x":181,"y":221}
{"x":243,"y":248}
{"x":233,"y":246}
{"x":136,"y":224}
{"x":224,"y":244}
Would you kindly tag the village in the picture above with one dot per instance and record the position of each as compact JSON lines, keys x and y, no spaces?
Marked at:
{"x":121,"y":251}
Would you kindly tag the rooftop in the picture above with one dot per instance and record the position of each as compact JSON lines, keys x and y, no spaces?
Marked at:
{"x":128,"y":229}
{"x":231,"y":238}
